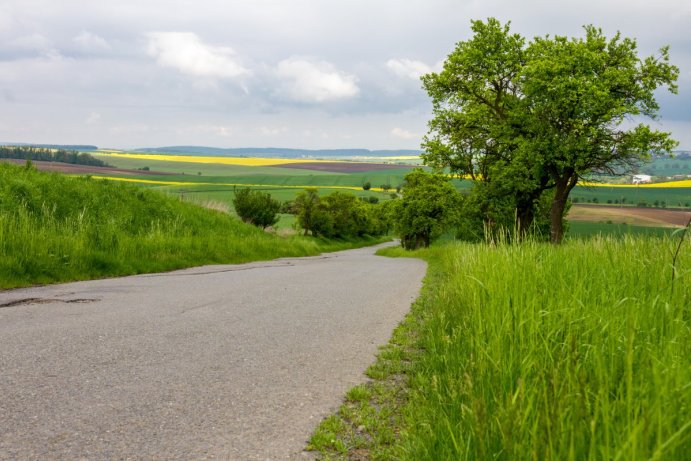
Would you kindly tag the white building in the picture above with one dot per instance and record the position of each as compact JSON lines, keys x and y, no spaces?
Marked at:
{"x":641,"y":178}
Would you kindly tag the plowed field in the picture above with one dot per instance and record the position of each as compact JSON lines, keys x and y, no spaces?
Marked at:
{"x":657,"y":217}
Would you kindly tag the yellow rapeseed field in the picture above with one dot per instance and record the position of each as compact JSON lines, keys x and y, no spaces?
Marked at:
{"x":179,"y":183}
{"x":242,"y":161}
{"x":673,"y":184}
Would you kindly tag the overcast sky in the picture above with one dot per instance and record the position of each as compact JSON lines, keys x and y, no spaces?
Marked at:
{"x":282,"y":73}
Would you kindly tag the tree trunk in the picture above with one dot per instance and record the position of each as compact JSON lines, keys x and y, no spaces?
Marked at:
{"x":525,"y":218}
{"x":525,"y":209}
{"x":564,"y":184}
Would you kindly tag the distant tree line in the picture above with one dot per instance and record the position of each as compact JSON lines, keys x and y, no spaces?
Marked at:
{"x":49,"y":155}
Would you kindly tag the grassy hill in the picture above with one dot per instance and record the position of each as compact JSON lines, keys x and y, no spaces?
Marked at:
{"x":57,"y":228}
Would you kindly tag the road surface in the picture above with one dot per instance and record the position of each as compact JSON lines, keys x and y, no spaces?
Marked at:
{"x":236,"y":362}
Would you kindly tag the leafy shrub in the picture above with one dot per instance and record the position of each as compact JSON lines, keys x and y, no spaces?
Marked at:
{"x":429,"y":206}
{"x":338,"y":215}
{"x":256,"y":207}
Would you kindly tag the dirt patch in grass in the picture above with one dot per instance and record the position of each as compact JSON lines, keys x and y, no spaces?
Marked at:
{"x":657,"y":217}
{"x":70,"y":168}
{"x":343,"y":167}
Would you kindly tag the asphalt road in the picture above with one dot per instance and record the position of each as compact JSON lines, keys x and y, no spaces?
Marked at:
{"x":218,"y":362}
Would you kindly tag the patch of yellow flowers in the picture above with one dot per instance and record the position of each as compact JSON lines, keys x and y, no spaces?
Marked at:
{"x":242,"y":161}
{"x":180,"y":183}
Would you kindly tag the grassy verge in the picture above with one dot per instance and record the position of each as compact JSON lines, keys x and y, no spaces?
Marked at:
{"x":581,"y":351}
{"x":55,"y":228}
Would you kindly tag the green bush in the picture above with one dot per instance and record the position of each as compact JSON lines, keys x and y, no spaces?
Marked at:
{"x":429,"y":206}
{"x":338,"y":215}
{"x":256,"y":207}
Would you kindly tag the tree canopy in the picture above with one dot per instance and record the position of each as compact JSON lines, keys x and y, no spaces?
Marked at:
{"x":339,"y":215}
{"x":256,"y":207}
{"x":524,"y":118}
{"x":429,"y":206}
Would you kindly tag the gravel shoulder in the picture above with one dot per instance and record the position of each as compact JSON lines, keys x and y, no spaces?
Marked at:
{"x":217,"y":362}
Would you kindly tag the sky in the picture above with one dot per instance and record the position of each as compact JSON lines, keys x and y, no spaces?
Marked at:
{"x":312,"y":74}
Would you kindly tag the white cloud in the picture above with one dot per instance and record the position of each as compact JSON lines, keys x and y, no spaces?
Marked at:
{"x":411,"y":68}
{"x":6,"y":19}
{"x":186,"y":52}
{"x":224,"y":131}
{"x":34,"y":42}
{"x":269,"y":131}
{"x":404,"y":134}
{"x":307,"y":80}
{"x":93,"y":118}
{"x":130,"y":129}
{"x":88,"y":41}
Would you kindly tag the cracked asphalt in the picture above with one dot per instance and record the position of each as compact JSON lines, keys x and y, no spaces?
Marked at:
{"x":236,"y":362}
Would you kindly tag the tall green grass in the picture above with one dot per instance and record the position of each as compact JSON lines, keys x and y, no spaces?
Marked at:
{"x":579,"y":351}
{"x":56,"y":228}
{"x":533,"y":352}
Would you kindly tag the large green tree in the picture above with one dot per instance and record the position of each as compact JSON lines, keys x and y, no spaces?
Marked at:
{"x":525,"y":118}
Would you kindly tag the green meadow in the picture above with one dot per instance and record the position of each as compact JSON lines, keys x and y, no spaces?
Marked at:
{"x":584,"y":229}
{"x":679,"y":197}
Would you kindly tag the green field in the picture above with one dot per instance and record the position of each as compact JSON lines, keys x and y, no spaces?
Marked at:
{"x":206,"y":169}
{"x":217,"y":173}
{"x":581,"y":229}
{"x":204,"y":183}
{"x":215,"y":183}
{"x":671,"y":197}
{"x":667,"y":166}
{"x":574,"y":352}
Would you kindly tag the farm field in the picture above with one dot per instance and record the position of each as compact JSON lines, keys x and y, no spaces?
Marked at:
{"x":213,"y":179}
{"x":354,"y":174}
{"x":283,"y":178}
{"x":652,"y":217}
{"x":589,"y":229}
{"x":634,"y":195}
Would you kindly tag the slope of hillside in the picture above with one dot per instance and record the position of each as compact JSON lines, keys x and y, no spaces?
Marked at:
{"x":57,"y":228}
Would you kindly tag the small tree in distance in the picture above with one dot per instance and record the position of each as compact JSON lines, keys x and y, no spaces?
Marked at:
{"x":305,"y":207}
{"x":256,"y":207}
{"x":430,"y":205}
